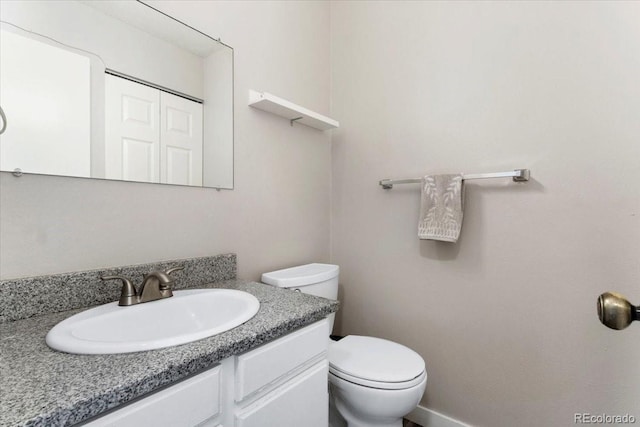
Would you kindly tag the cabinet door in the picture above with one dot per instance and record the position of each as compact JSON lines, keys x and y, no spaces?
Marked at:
{"x":303,"y":401}
{"x":180,"y":140}
{"x":132,"y":131}
{"x":194,"y":401}
{"x":270,"y":362}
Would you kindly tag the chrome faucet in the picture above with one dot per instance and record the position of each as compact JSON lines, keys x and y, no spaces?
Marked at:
{"x":155,"y":285}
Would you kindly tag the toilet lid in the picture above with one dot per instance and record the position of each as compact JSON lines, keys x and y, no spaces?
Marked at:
{"x":375,"y":359}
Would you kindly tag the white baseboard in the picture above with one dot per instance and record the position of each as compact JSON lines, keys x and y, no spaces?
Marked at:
{"x":429,"y":418}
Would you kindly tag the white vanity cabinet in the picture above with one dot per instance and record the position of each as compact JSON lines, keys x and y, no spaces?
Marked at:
{"x":284,"y":383}
{"x":280,"y":384}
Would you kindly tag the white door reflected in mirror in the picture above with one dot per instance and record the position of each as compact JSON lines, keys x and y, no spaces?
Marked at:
{"x":151,"y":135}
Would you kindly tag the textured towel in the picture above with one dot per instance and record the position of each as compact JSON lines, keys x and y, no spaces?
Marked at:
{"x":441,"y":207}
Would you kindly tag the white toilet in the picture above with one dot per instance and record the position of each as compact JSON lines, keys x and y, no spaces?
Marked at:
{"x":373,"y":382}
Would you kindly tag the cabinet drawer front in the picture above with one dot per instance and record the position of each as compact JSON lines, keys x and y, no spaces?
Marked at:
{"x":266,"y":364}
{"x":303,"y":401}
{"x":187,"y":403}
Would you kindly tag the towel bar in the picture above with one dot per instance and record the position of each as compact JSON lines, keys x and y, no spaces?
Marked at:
{"x":518,"y":175}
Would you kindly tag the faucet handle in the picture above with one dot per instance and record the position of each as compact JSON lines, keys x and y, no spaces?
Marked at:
{"x":128,"y":293}
{"x":172,"y":269}
{"x":164,"y":284}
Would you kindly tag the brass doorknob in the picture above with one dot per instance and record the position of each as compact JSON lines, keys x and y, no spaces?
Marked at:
{"x":615,"y":311}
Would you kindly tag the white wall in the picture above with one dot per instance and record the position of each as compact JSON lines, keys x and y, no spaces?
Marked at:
{"x":506,"y":319}
{"x":278,"y":213}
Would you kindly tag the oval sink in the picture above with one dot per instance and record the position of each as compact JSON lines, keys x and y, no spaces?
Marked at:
{"x":188,"y":316}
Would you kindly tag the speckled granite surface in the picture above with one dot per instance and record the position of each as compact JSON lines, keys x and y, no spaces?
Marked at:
{"x":43,"y":387}
{"x":34,"y":296}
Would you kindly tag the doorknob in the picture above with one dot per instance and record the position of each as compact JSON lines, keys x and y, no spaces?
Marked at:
{"x":615,"y":311}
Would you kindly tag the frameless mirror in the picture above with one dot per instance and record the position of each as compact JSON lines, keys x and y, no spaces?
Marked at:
{"x":114,"y":90}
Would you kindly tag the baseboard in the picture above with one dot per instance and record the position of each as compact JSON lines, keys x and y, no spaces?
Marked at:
{"x":430,"y":418}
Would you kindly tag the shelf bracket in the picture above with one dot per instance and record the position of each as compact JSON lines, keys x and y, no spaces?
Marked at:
{"x":293,"y":120}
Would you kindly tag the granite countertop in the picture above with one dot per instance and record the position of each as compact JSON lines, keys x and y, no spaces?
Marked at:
{"x":43,"y":387}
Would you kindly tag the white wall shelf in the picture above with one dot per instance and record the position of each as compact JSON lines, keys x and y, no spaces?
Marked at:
{"x":294,"y":113}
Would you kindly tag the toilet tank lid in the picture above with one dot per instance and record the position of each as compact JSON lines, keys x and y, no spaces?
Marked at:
{"x":302,"y":275}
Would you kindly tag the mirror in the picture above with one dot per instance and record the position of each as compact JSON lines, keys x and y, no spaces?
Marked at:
{"x":114,"y":90}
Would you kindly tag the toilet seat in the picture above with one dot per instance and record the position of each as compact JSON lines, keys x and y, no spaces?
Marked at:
{"x":379,"y":384}
{"x":376,"y":363}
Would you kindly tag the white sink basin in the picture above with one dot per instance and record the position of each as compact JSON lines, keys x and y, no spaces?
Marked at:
{"x":188,"y":316}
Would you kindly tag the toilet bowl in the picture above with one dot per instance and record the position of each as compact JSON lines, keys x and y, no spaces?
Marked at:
{"x":368,"y":407}
{"x":373,"y":382}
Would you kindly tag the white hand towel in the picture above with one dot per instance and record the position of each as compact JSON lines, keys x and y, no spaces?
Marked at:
{"x":441,"y":207}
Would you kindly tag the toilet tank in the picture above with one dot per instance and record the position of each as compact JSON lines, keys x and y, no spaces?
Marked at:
{"x":315,"y":279}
